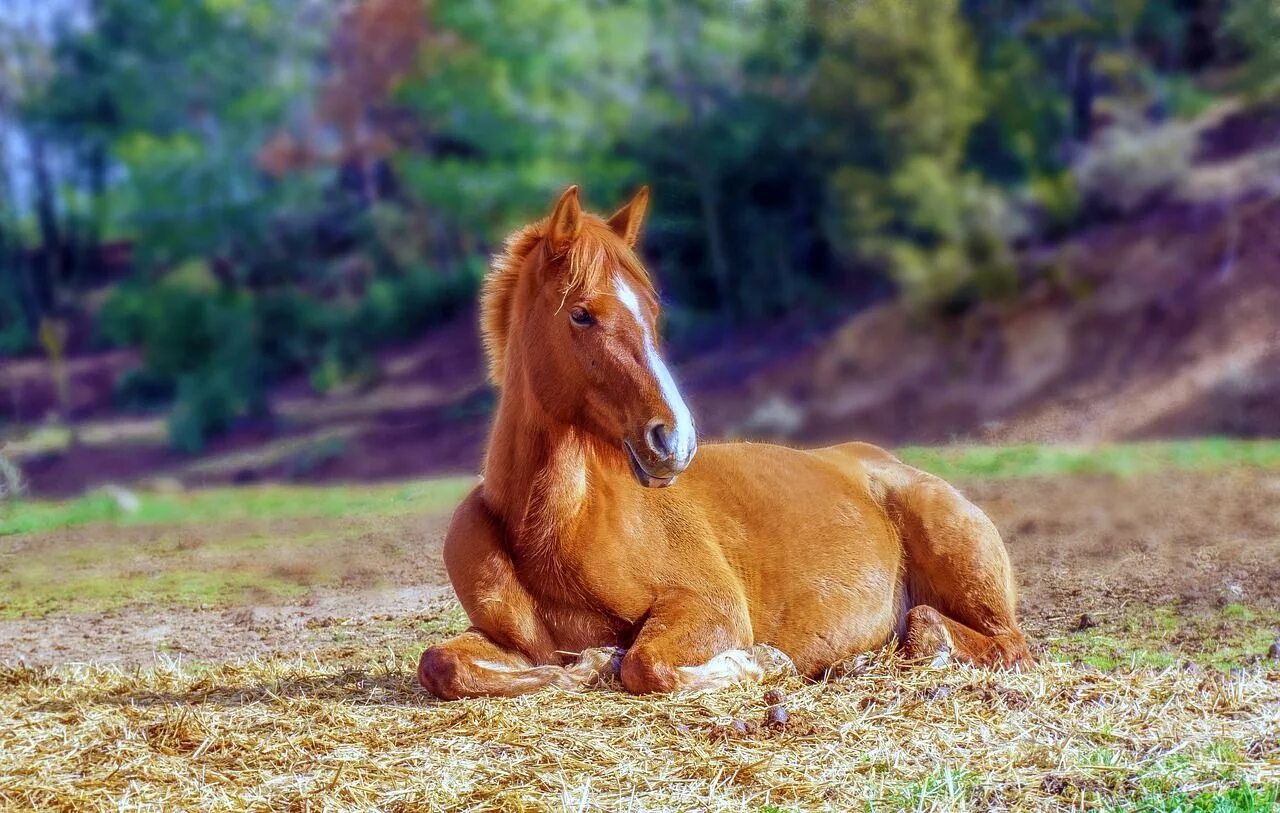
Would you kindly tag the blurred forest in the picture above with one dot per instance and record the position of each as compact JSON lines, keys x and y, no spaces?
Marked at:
{"x":253,"y":189}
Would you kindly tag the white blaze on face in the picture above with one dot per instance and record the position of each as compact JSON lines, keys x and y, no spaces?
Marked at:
{"x":683,"y":432}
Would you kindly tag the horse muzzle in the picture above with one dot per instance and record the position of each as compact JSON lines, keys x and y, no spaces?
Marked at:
{"x":658,"y":462}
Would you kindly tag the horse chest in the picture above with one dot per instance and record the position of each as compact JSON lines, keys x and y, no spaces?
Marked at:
{"x":578,"y":606}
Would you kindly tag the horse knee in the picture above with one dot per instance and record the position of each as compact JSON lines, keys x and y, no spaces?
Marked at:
{"x":927,"y":634}
{"x":439,"y":672}
{"x":641,"y":673}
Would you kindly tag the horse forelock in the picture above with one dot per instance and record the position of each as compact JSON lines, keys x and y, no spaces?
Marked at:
{"x":590,"y":260}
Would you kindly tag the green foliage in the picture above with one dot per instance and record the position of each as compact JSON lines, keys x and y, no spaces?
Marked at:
{"x":399,"y":307}
{"x":736,"y":222}
{"x":1254,"y":27}
{"x":529,"y":105}
{"x":217,"y":348}
{"x":803,"y":156}
{"x":15,"y":335}
{"x":1054,"y":201}
{"x":1026,"y":119}
{"x":207,"y":404}
{"x":905,"y":77}
{"x":1180,"y":95}
{"x":178,"y":97}
{"x":199,"y":340}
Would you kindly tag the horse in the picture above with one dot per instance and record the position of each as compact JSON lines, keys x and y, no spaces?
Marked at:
{"x":603,"y":534}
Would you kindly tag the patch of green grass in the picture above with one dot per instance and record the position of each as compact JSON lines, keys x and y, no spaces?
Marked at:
{"x":1163,"y":636}
{"x":1246,"y":643}
{"x":1237,"y":612}
{"x":1225,"y":751}
{"x":1244,"y":798}
{"x":222,"y":504}
{"x":996,"y":462}
{"x":105,"y":566}
{"x":90,"y":592}
{"x":1109,"y":652}
{"x":958,"y":462}
{"x":946,"y":789}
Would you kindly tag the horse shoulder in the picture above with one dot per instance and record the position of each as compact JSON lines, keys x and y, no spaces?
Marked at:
{"x":472,"y":535}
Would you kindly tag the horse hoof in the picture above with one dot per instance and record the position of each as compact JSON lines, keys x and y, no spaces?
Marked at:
{"x":941,"y":659}
{"x":599,"y":663}
{"x":773,"y":662}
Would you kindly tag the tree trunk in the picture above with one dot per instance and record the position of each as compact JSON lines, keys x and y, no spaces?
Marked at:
{"x":44,"y":268}
{"x":709,"y":200}
{"x":1083,"y":92}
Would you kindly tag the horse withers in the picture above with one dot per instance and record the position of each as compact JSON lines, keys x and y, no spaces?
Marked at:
{"x":602,"y":526}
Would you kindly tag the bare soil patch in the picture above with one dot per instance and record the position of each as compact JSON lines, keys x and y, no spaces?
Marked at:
{"x":1097,"y":543}
{"x":1093,"y":545}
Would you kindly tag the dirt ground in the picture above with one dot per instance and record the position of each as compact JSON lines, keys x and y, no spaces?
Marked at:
{"x":1093,"y":545}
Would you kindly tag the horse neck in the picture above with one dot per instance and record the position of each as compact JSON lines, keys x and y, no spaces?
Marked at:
{"x":536,"y":472}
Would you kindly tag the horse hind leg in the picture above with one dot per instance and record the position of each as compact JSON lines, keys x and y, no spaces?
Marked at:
{"x":933,"y":637}
{"x":958,"y":578}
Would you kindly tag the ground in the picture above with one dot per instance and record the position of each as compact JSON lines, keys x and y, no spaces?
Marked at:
{"x":254,"y":647}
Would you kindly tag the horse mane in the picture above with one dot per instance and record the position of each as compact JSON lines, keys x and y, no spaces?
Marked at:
{"x":589,"y":259}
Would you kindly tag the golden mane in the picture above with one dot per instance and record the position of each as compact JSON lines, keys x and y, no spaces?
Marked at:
{"x":588,"y":261}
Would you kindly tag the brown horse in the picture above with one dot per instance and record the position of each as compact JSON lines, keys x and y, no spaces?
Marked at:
{"x":596,"y":526}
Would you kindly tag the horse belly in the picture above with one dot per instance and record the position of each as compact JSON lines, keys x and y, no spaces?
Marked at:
{"x":823,"y":577}
{"x":830,"y":617}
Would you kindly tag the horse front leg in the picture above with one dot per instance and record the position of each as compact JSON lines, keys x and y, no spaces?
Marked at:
{"x":472,"y":665}
{"x":508,"y":651}
{"x":688,"y":645}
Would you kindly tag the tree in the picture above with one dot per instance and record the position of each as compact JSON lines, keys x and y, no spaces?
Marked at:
{"x":1254,"y":27}
{"x":725,"y":125}
{"x":27,"y":281}
{"x":155,"y":111}
{"x":899,"y":93}
{"x":514,"y":100}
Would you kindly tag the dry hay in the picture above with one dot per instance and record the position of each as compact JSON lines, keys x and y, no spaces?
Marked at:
{"x":287,"y":734}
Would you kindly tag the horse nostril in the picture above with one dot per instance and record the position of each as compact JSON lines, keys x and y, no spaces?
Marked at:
{"x":658,"y":436}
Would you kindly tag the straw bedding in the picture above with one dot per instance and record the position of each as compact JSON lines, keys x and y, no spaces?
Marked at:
{"x":342,"y":733}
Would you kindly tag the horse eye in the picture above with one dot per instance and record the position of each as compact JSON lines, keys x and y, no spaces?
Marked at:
{"x":581,"y":316}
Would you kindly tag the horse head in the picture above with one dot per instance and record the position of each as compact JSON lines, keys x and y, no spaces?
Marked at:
{"x":570,"y":321}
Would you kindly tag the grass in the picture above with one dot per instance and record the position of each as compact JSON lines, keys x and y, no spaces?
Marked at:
{"x":226,"y":504}
{"x":1244,"y":798}
{"x":949,"y":462}
{"x":1123,"y":459}
{"x":1162,"y":637}
{"x":353,"y":731}
{"x":211,"y":547}
{"x":1112,"y":719}
{"x":214,"y":563}
{"x":34,"y":595}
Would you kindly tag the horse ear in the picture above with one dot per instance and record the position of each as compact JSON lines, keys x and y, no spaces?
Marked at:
{"x":626,"y":222}
{"x":566,"y":220}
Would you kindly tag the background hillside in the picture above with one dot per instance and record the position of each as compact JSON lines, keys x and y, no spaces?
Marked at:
{"x":241,"y":239}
